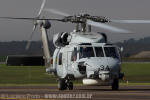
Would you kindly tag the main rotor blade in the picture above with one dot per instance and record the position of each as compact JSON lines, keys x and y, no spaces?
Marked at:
{"x":41,"y":9}
{"x":107,"y":27}
{"x":17,"y":18}
{"x":54,"y":11}
{"x":54,"y":19}
{"x":131,"y":21}
{"x":30,"y":39}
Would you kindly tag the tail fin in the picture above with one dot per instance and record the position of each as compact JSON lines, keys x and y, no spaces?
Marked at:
{"x":47,"y":56}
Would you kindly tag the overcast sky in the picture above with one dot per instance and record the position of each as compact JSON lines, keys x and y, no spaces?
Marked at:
{"x":114,"y":9}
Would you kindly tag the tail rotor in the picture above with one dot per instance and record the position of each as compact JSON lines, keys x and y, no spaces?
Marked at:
{"x":36,"y":22}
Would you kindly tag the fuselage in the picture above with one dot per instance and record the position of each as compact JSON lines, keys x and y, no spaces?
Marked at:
{"x":87,"y":57}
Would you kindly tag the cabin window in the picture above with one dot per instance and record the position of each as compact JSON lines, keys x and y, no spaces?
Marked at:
{"x":74,"y":55}
{"x":86,"y":52}
{"x":111,"y":52}
{"x":99,"y":52}
{"x":60,"y":59}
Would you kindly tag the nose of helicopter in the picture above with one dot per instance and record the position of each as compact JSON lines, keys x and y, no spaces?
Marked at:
{"x":95,"y":63}
{"x":97,"y":66}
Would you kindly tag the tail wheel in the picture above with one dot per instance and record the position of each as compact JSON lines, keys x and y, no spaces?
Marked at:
{"x":62,"y":84}
{"x":115,"y":84}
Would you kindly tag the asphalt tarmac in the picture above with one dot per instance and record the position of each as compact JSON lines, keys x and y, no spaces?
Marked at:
{"x":79,"y":93}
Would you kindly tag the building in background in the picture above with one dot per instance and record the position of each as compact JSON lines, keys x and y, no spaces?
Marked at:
{"x":24,"y":60}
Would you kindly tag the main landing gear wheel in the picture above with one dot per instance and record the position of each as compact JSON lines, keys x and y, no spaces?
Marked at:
{"x":62,"y":84}
{"x":115,"y":84}
{"x":70,"y":86}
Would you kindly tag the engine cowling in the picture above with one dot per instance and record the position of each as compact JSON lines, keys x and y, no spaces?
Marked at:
{"x":61,"y":39}
{"x":104,"y":36}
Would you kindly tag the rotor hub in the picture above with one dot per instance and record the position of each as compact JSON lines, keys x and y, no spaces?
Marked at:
{"x":83,"y":17}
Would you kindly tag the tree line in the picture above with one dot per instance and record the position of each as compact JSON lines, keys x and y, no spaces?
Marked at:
{"x":131,"y":47}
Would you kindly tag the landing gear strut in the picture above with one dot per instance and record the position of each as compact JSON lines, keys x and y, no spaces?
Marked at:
{"x":63,"y":84}
{"x":115,"y":84}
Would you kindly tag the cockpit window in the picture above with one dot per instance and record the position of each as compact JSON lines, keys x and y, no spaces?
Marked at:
{"x":111,"y":52}
{"x":99,"y":52}
{"x":74,"y":55}
{"x":60,"y":59}
{"x":86,"y":52}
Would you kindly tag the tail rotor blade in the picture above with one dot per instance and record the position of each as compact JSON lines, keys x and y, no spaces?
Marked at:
{"x":35,"y":25}
{"x":28,"y":45}
{"x":42,"y":7}
{"x":54,"y":11}
{"x":107,"y":27}
{"x":30,"y":39}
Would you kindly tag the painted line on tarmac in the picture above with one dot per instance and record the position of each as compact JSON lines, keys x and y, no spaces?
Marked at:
{"x":24,"y":99}
{"x":8,"y":99}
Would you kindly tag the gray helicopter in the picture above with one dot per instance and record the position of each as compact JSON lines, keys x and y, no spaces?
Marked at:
{"x":81,"y":54}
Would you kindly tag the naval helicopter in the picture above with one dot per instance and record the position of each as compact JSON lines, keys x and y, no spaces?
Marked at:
{"x":81,"y":54}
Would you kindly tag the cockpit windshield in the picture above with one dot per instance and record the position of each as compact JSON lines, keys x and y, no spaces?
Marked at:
{"x":86,"y":52}
{"x":99,"y":52}
{"x":111,"y":52}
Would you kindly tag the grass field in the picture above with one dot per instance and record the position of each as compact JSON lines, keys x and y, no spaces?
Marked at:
{"x":25,"y":75}
{"x":137,"y":72}
{"x":134,"y":73}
